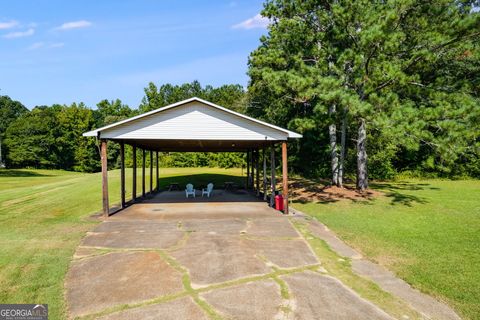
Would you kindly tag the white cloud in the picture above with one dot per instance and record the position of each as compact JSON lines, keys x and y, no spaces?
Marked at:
{"x":20,"y":34}
{"x":75,"y":25}
{"x":256,"y":22}
{"x":8,"y":24}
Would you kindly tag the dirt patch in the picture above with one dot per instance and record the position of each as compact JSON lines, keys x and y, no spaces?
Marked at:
{"x":304,"y":190}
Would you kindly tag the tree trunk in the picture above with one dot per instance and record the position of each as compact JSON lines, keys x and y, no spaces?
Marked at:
{"x":342,"y":148}
{"x":332,"y":131}
{"x":362,"y":175}
{"x":1,"y":161}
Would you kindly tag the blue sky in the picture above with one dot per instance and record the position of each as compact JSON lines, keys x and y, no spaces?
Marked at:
{"x":72,"y":51}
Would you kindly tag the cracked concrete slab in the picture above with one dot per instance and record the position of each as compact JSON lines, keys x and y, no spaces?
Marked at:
{"x":423,"y":303}
{"x":100,"y":282}
{"x":214,"y":258}
{"x":184,"y":308}
{"x":214,"y":226}
{"x":194,"y":210}
{"x":323,"y":297}
{"x":134,"y":234}
{"x":285,"y":253}
{"x":226,"y":241}
{"x":256,"y":300}
{"x":278,"y":227}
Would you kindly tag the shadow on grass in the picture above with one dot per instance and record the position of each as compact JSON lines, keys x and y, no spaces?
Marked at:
{"x":20,"y":173}
{"x":318,"y":191}
{"x":397,"y":192}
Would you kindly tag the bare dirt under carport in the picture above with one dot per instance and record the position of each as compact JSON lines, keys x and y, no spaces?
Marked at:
{"x":230,"y":256}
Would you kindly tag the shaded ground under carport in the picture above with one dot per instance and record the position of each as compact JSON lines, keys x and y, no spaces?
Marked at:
{"x":230,"y":256}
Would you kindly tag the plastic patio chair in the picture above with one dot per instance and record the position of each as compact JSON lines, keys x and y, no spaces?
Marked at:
{"x":208,"y":191}
{"x":189,"y":190}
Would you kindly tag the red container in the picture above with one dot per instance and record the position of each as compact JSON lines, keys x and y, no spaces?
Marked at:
{"x":279,"y":202}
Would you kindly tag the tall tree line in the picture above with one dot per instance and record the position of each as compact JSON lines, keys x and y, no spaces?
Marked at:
{"x":376,"y":87}
{"x":392,"y":82}
{"x":51,"y":136}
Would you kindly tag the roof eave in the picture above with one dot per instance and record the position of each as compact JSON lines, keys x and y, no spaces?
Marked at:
{"x":93,"y":133}
{"x":97,"y":132}
{"x":294,"y":135}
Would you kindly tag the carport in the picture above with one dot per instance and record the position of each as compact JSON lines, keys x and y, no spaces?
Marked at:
{"x":195,"y":125}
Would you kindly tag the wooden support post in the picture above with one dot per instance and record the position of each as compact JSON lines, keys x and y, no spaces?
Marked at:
{"x":158,"y":172}
{"x":103,"y":157}
{"x":247,"y":185}
{"x":134,"y":174}
{"x":250,"y":159}
{"x":264,"y":175}
{"x":272,"y":172}
{"x":252,"y":171}
{"x":151,"y":171}
{"x":122,"y":174}
{"x":285,"y":177}
{"x":257,"y":178}
{"x":143,"y":172}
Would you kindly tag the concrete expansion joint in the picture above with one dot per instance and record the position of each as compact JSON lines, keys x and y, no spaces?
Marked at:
{"x":286,"y":308}
{"x":214,"y":265}
{"x":182,"y":242}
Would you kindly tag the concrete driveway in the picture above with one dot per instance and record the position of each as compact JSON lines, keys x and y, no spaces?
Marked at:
{"x":228,"y":257}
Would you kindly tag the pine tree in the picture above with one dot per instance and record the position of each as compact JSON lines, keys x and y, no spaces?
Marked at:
{"x":377,"y":62}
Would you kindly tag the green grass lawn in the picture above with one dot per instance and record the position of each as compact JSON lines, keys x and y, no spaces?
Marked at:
{"x":426,"y":231}
{"x":45,"y":213}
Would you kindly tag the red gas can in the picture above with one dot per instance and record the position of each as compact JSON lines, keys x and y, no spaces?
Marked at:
{"x":279,"y":202}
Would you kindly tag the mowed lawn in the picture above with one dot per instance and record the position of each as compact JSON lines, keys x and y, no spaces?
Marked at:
{"x":45,"y":213}
{"x":426,"y":231}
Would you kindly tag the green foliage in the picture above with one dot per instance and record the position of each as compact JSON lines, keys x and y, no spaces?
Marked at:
{"x":9,"y":111}
{"x":31,"y":139}
{"x":409,"y":68}
{"x":202,"y":159}
{"x":229,"y":96}
{"x":51,"y":137}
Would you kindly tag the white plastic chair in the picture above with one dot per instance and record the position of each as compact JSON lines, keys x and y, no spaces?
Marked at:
{"x":208,"y":191}
{"x":189,"y":190}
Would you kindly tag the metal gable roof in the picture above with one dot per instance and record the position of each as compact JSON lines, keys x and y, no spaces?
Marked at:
{"x":97,"y":132}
